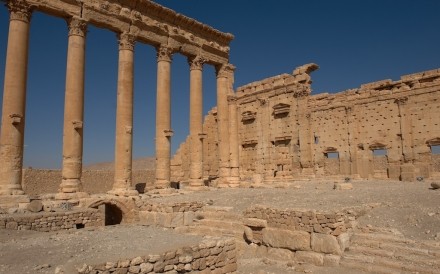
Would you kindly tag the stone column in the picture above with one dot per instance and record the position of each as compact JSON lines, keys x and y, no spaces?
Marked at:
{"x":163,"y":118}
{"x":224,"y":73}
{"x":14,"y":99}
{"x":196,"y":122}
{"x":73,"y":111}
{"x":124,"y":119}
{"x":234,"y":181}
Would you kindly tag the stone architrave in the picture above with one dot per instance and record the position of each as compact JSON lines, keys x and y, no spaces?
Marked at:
{"x":124,"y":119}
{"x":224,"y":73}
{"x":14,"y":99}
{"x":163,"y":118}
{"x":196,"y":121}
{"x":73,"y":111}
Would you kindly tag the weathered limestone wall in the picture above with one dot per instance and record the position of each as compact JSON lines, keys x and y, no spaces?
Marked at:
{"x":382,"y":130}
{"x":210,"y":256}
{"x":52,"y":221}
{"x":319,"y":238}
{"x":168,"y":215}
{"x":40,"y":181}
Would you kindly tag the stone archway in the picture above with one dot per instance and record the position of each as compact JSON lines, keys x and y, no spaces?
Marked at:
{"x":115,"y":210}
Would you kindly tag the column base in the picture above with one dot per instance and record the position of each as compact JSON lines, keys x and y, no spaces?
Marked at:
{"x":161,"y":184}
{"x":70,"y":186}
{"x":13,"y":201}
{"x":123,"y":192}
{"x":196,"y":183}
{"x":229,"y":182}
{"x":11,"y":190}
{"x":71,"y":196}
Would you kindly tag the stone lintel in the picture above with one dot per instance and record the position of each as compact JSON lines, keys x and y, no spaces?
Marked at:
{"x":153,"y":23}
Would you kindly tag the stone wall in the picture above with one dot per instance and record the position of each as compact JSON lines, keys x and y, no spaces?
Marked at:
{"x":40,"y":181}
{"x":315,"y":237}
{"x":53,"y":221}
{"x":286,"y":133}
{"x":210,"y":256}
{"x":169,"y":215}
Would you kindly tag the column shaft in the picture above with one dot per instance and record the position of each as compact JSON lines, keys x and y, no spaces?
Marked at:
{"x":233,"y":141}
{"x":196,"y":123}
{"x":223,"y":73}
{"x":163,"y":118}
{"x":14,"y":100}
{"x":74,"y":109}
{"x":124,"y":119}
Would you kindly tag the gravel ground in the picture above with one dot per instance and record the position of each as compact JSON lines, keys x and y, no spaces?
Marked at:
{"x":411,"y":208}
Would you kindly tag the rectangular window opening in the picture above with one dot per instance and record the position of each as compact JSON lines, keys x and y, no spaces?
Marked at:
{"x":435,"y":149}
{"x":379,"y":152}
{"x":332,"y":155}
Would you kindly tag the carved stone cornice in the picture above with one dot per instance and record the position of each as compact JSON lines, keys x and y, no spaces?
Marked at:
{"x":77,"y":26}
{"x":126,"y":41}
{"x":164,"y":53}
{"x":196,"y":63}
{"x":19,"y":10}
{"x":224,"y":70}
{"x":301,"y":92}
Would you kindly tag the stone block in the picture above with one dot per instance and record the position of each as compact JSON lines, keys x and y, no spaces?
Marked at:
{"x":12,"y":225}
{"x":435,"y":185}
{"x":254,"y":222}
{"x":280,"y":254}
{"x":310,"y":257}
{"x":188,"y":218}
{"x":344,"y":241}
{"x":324,"y":243}
{"x":176,"y":219}
{"x":147,"y":217}
{"x":343,"y":186}
{"x":331,"y":260}
{"x":293,"y":240}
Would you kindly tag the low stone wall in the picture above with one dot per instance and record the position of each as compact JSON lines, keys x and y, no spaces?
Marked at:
{"x":42,"y":181}
{"x":169,"y":215}
{"x":210,"y":256}
{"x":53,"y":221}
{"x":315,"y":237}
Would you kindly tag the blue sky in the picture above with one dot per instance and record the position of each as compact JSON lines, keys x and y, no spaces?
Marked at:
{"x":353,"y":42}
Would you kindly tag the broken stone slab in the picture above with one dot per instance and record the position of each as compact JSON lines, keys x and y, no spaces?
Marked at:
{"x":35,"y":206}
{"x":343,"y":186}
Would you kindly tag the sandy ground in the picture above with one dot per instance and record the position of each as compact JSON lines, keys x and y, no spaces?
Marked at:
{"x":410,"y":208}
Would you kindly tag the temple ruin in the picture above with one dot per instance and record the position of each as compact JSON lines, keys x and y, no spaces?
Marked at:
{"x":382,"y":130}
{"x":270,"y":141}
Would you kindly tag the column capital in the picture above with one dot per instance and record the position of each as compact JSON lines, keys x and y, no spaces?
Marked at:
{"x":19,"y":10}
{"x":164,"y":53}
{"x":196,"y":62}
{"x":77,"y":26}
{"x":126,"y":41}
{"x":232,"y":98}
{"x":224,"y":70}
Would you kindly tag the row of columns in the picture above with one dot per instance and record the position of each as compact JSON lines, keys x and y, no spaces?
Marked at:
{"x":14,"y":100}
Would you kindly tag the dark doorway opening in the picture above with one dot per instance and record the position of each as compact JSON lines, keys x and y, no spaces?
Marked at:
{"x":113,"y":214}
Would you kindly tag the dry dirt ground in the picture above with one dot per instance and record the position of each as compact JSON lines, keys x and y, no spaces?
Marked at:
{"x":410,"y":208}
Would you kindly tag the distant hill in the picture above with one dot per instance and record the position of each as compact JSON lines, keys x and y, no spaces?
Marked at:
{"x":146,"y":163}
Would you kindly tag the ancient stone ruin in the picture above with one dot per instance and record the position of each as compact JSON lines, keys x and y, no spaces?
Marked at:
{"x":268,"y":142}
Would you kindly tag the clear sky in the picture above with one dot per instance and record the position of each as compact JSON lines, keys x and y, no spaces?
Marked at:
{"x":353,"y":42}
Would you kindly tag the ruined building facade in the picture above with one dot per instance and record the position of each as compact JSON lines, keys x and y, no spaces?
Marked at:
{"x":382,"y":130}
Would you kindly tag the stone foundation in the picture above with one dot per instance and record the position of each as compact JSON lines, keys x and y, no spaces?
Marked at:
{"x":210,"y":256}
{"x":53,"y":221}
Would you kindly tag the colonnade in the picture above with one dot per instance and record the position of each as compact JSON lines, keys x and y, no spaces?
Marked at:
{"x":14,"y":101}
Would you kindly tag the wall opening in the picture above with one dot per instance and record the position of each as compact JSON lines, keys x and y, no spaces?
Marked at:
{"x":79,"y":226}
{"x":435,"y":149}
{"x":332,"y":155}
{"x":113,"y":214}
{"x":379,"y":152}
